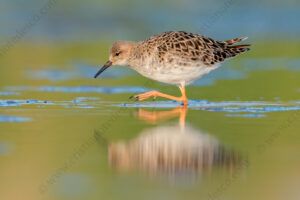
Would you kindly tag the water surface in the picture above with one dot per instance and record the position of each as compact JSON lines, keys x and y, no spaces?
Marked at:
{"x":65,"y":135}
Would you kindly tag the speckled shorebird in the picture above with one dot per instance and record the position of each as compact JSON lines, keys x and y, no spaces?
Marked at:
{"x":174,"y":57}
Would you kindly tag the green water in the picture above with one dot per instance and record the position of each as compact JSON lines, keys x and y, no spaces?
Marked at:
{"x":239,"y":139}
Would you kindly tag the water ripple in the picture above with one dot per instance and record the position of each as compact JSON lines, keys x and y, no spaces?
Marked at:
{"x":235,"y":108}
{"x":78,"y":71}
{"x":5,"y":118}
{"x":79,"y":102}
{"x":82,"y":89}
{"x":250,"y":108}
{"x":9,"y":93}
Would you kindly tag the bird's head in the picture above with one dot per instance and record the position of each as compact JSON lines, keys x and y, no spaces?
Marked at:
{"x":119,"y":55}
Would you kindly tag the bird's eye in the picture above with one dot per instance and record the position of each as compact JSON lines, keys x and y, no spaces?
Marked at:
{"x":117,"y":54}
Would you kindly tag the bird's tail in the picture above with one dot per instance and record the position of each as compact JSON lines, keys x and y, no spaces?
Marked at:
{"x":234,"y":50}
{"x":235,"y":40}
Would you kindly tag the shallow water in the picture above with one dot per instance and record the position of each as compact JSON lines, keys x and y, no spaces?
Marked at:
{"x":65,"y":135}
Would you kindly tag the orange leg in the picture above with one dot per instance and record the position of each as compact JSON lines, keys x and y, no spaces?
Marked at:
{"x":155,"y":94}
{"x":155,"y":117}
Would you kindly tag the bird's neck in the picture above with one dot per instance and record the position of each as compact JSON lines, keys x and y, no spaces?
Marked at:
{"x":135,"y":57}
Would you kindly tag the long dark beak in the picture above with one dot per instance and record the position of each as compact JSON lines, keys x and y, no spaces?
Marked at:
{"x":105,"y":66}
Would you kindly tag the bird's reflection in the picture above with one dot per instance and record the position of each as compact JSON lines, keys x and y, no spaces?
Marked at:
{"x":171,"y":150}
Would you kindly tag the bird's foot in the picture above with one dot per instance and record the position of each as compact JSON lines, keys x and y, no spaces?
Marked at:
{"x":147,"y":95}
{"x":155,"y":94}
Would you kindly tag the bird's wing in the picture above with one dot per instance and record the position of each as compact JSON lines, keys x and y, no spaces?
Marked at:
{"x":194,"y":49}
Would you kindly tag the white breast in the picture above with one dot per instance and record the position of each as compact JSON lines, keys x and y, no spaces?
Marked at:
{"x":175,"y":75}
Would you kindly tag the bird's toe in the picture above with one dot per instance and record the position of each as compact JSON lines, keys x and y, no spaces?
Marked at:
{"x":135,"y":97}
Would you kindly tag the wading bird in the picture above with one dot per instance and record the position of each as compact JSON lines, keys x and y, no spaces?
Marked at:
{"x":175,"y":57}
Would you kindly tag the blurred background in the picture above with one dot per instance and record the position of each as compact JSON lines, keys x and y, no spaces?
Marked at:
{"x":65,"y":135}
{"x":134,"y":20}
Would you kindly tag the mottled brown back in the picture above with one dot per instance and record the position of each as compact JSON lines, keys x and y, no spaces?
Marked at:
{"x":194,"y":48}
